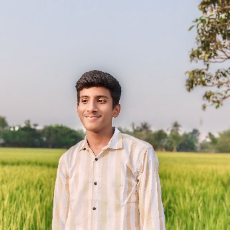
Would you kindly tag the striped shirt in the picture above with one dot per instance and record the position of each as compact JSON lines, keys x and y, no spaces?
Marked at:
{"x":117,"y":190}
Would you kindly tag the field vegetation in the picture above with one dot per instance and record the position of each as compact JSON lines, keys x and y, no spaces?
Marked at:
{"x":195,"y":189}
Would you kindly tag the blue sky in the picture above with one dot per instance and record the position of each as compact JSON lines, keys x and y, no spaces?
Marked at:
{"x":45,"y":46}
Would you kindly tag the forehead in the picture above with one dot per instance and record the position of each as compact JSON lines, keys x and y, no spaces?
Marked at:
{"x":95,"y":91}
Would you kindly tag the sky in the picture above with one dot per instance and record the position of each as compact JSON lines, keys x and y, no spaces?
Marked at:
{"x":45,"y":47}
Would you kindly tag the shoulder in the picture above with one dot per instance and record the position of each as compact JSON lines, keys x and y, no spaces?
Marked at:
{"x":67,"y":156}
{"x":131,"y":140}
{"x":144,"y":149}
{"x":140,"y":150}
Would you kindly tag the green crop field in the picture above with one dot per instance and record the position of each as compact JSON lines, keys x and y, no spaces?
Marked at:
{"x":195,"y":189}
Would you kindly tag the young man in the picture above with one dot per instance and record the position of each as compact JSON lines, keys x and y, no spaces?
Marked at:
{"x":109,"y":180}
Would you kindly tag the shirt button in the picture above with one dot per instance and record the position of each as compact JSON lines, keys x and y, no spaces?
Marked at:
{"x":84,"y":149}
{"x":94,"y":208}
{"x":96,"y":159}
{"x":95,"y":183}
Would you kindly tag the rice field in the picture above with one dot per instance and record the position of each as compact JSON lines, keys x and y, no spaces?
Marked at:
{"x":195,"y":189}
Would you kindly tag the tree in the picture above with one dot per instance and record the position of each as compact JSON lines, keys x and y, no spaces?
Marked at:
{"x":175,"y":138}
{"x":223,"y":142}
{"x":213,"y":46}
{"x":3,"y":123}
{"x":134,"y":128}
{"x":23,"y":136}
{"x":144,"y":127}
{"x":30,"y":136}
{"x":212,"y":138}
{"x":159,"y":140}
{"x":189,"y":141}
{"x":217,"y":144}
{"x":175,"y":127}
{"x":174,"y":135}
{"x":3,"y":128}
{"x":60,"y":136}
{"x":27,"y":124}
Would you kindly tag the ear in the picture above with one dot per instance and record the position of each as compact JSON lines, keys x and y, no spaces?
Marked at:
{"x":77,"y":107}
{"x":116,"y":110}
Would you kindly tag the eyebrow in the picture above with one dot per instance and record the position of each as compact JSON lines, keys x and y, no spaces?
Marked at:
{"x":96,"y":96}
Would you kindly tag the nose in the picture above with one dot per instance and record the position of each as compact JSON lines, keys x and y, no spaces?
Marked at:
{"x":92,"y":107}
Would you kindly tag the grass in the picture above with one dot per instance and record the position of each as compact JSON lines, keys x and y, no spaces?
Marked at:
{"x":27,"y":156}
{"x":195,"y":189}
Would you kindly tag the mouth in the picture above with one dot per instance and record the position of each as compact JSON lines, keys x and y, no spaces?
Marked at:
{"x":93,"y":118}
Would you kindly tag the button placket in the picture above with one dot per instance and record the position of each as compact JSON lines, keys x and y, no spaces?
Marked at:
{"x":96,"y":175}
{"x":95,"y":189}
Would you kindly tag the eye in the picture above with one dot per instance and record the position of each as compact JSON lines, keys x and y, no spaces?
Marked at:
{"x":83,"y":100}
{"x":102,"y":100}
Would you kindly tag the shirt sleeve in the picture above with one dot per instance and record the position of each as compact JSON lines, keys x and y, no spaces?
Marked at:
{"x":61,"y":197}
{"x":150,"y":203}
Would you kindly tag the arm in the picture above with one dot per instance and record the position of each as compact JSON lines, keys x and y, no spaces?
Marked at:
{"x":150,"y":203}
{"x":61,"y":197}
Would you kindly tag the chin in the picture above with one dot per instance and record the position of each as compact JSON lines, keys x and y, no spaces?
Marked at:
{"x":92,"y":127}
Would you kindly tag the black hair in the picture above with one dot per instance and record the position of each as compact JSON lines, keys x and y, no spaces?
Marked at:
{"x":98,"y":78}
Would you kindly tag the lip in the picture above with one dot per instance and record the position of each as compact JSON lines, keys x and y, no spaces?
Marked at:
{"x":92,"y":118}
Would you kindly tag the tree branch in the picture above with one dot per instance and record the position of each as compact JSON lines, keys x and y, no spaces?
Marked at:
{"x":219,"y":83}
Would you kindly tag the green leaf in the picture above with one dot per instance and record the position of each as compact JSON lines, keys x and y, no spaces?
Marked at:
{"x":191,"y":27}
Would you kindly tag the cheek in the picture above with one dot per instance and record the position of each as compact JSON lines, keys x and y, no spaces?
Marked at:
{"x":80,"y":111}
{"x":108,"y":113}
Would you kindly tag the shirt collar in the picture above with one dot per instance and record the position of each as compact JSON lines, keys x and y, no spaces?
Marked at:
{"x":114,"y":143}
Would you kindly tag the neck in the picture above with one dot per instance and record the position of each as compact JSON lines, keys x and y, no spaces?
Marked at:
{"x":99,"y":140}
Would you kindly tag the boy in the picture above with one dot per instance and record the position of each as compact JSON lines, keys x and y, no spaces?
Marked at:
{"x":109,"y":180}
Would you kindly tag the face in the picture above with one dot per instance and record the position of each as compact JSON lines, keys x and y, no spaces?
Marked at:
{"x":95,"y":109}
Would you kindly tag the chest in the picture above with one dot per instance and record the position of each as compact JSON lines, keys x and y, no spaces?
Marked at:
{"x":110,"y":176}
